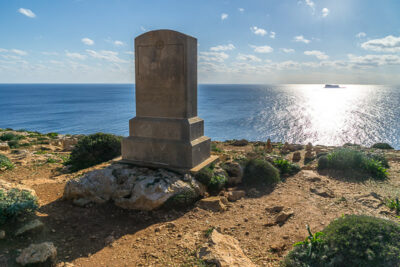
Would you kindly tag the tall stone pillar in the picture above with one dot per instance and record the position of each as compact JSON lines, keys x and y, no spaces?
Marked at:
{"x":166,"y":131}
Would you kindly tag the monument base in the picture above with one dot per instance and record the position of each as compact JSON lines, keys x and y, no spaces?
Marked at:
{"x":172,"y":154}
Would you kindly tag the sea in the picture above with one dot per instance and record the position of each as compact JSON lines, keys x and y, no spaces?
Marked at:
{"x":294,"y":113}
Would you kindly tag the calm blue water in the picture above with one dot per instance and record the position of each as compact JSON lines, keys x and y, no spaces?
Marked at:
{"x":362,"y":114}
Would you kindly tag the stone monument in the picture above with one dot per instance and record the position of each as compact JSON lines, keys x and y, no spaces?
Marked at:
{"x":166,"y":131}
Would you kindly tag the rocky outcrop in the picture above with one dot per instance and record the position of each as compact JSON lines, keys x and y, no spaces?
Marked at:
{"x":43,"y":255}
{"x":131,"y":187}
{"x":215,"y":204}
{"x":224,"y":251}
{"x":34,"y":226}
{"x":6,"y":186}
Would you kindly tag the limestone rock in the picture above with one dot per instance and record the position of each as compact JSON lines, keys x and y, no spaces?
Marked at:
{"x":131,"y":187}
{"x":212,"y":203}
{"x":296,"y":156}
{"x":283,"y":216}
{"x":31,"y":227}
{"x":2,"y":234}
{"x":43,"y":254}
{"x":6,"y":186}
{"x":323,"y":192}
{"x":4,"y":147}
{"x":69,"y":142}
{"x":224,"y":251}
{"x":235,"y":195}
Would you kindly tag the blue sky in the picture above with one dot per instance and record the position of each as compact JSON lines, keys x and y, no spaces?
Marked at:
{"x":254,"y":41}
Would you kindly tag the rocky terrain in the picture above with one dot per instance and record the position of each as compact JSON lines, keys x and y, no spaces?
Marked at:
{"x":258,"y":225}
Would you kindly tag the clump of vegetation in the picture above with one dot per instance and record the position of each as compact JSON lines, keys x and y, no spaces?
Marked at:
{"x":260,"y":171}
{"x":181,"y":200}
{"x":16,"y":202}
{"x":394,"y":204}
{"x":11,"y":137}
{"x":348,"y":159}
{"x":13,"y":144}
{"x":52,"y":135}
{"x":286,"y":167}
{"x":204,"y":175}
{"x":209,"y":231}
{"x":5,"y":162}
{"x":214,"y":182}
{"x":382,"y":146}
{"x":51,"y":160}
{"x":215,"y":148}
{"x":94,"y":149}
{"x":351,"y":240}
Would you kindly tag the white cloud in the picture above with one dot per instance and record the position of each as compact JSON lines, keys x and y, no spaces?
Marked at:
{"x":325,"y":12}
{"x":19,"y":52}
{"x":213,"y":56}
{"x":222,"y":47}
{"x":27,"y":12}
{"x":310,"y":3}
{"x":258,"y":31}
{"x":287,"y":50}
{"x":389,"y":44}
{"x":272,"y":35}
{"x":301,"y":39}
{"x":106,"y":55}
{"x":129,"y":52}
{"x":251,"y":58}
{"x":87,"y":41}
{"x":224,"y":16}
{"x":262,"y":49}
{"x":361,"y":35}
{"x":369,"y":61}
{"x":119,"y":43}
{"x":3,"y":50}
{"x":318,"y":54}
{"x":241,"y":9}
{"x":75,"y":55}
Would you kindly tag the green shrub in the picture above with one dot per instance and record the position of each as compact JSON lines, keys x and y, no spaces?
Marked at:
{"x":10,"y":137}
{"x":215,"y":148}
{"x":352,"y":240}
{"x":394,"y":204}
{"x":16,"y":202}
{"x":286,"y":167}
{"x":382,"y":146}
{"x":5,"y":162}
{"x":13,"y":144}
{"x":94,"y":149}
{"x":204,"y":176}
{"x":52,"y":135}
{"x":260,"y":171}
{"x":51,"y":160}
{"x":348,"y":159}
{"x":216,"y":183}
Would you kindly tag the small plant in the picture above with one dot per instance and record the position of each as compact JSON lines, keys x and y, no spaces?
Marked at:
{"x":13,"y":143}
{"x":215,"y":148}
{"x":52,"y":135}
{"x":382,"y":146}
{"x":204,"y":176}
{"x":260,"y":171}
{"x":394,"y":204}
{"x":312,"y":241}
{"x":216,"y":183}
{"x":16,"y":202}
{"x":94,"y":149}
{"x":41,"y":152}
{"x":51,"y":160}
{"x":286,"y":167}
{"x":351,"y":240}
{"x":209,"y":231}
{"x":5,"y":162}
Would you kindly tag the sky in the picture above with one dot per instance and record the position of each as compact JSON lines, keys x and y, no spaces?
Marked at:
{"x":252,"y":41}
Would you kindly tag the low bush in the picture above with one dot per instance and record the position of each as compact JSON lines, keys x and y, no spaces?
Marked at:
{"x":382,"y":146}
{"x":13,"y":144}
{"x":260,"y":171}
{"x":394,"y":204}
{"x":11,"y":136}
{"x":94,"y":149}
{"x":204,"y":175}
{"x":52,"y":135}
{"x":216,"y":183}
{"x":348,"y":159}
{"x":286,"y":167}
{"x":351,"y":240}
{"x":16,"y":202}
{"x":5,"y":162}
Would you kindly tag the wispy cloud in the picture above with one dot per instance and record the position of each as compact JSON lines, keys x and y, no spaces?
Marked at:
{"x":213,"y":56}
{"x":87,"y":41}
{"x":241,"y":9}
{"x":325,"y":12}
{"x":262,"y":49}
{"x":389,"y":44}
{"x":301,"y":39}
{"x":27,"y":12}
{"x":245,"y":57}
{"x":361,"y":35}
{"x":287,"y":50}
{"x":318,"y":54}
{"x":258,"y":31}
{"x":75,"y":55}
{"x":222,"y":47}
{"x":272,"y":35}
{"x":310,"y":4}
{"x":118,"y":43}
{"x":224,"y":16}
{"x":369,"y":61}
{"x":107,"y":55}
{"x":19,"y":52}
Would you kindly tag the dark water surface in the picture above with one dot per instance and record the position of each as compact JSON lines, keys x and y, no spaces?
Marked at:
{"x":362,"y":114}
